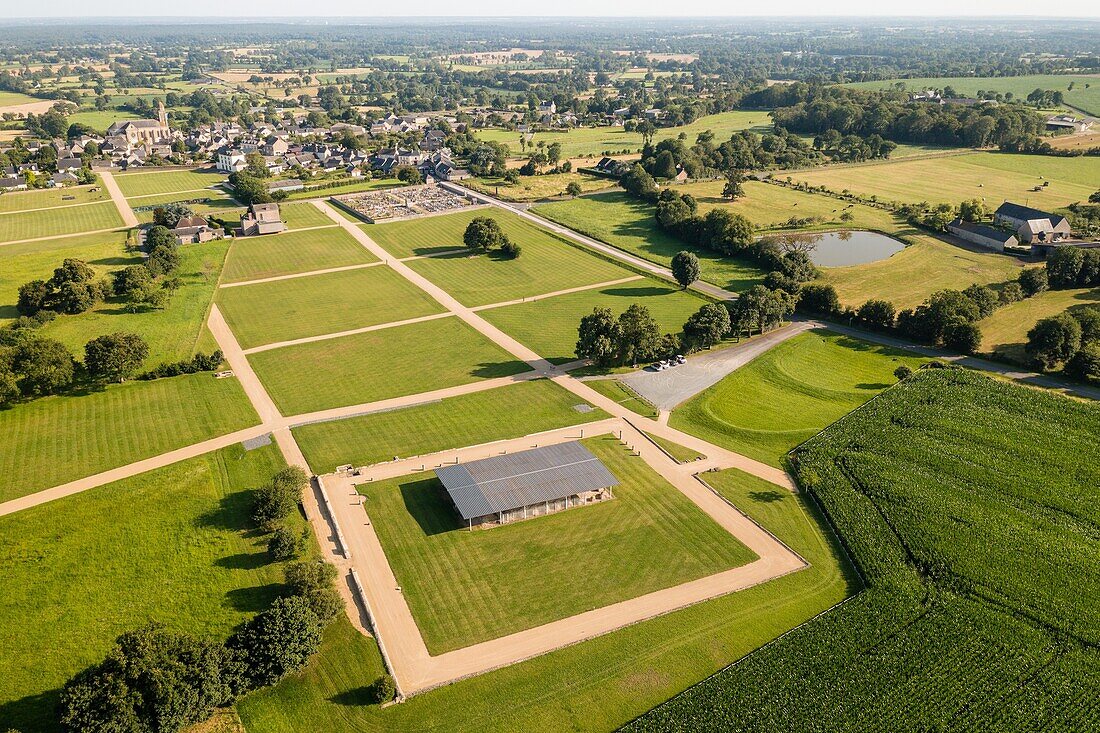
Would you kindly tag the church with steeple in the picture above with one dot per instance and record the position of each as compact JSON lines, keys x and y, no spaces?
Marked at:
{"x":143,"y":132}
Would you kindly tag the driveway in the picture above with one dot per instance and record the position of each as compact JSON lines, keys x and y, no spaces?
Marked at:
{"x":669,"y":388}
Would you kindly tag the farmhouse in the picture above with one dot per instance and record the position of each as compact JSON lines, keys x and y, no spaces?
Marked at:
{"x":261,"y":219}
{"x":983,"y":235}
{"x":1031,"y":225}
{"x":509,"y":488}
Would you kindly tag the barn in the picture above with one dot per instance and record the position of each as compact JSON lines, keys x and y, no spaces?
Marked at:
{"x":509,"y":488}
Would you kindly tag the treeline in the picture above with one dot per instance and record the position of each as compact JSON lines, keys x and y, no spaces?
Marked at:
{"x":744,"y":150}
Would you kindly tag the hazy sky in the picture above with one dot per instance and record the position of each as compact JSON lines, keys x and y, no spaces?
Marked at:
{"x":268,"y":9}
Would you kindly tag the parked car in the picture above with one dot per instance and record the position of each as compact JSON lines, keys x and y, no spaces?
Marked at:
{"x":680,"y":359}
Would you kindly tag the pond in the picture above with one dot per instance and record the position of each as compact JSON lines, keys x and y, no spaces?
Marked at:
{"x":837,"y":249}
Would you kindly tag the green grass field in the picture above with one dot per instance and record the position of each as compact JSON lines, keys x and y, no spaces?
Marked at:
{"x":926,"y":265}
{"x":1084,"y":95}
{"x":629,"y":224}
{"x":100,"y":120}
{"x":679,"y":453}
{"x":789,"y":393}
{"x":549,"y":327}
{"x":11,"y":99}
{"x":252,"y":258}
{"x":215,"y":198}
{"x":546,"y":264}
{"x":1005,"y":331}
{"x":464,"y":587}
{"x":174,"y":333}
{"x":43,"y":198}
{"x":615,"y":390}
{"x":20,"y":225}
{"x":481,"y":417}
{"x":146,"y":184}
{"x":301,"y":216}
{"x":352,"y":186}
{"x":533,"y":188}
{"x":377,"y":365}
{"x":173,"y":545}
{"x":994,"y":177}
{"x":284,"y":310}
{"x":595,"y":141}
{"x":54,"y":440}
{"x":598,"y":685}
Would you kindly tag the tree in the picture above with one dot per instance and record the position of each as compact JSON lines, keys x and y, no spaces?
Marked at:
{"x":929,"y":321}
{"x":734,"y":189}
{"x":818,"y":298}
{"x":1085,"y":364}
{"x":685,"y":268}
{"x":151,"y":680}
{"x":760,"y":308}
{"x":726,"y":232}
{"x":1089,"y":320}
{"x":640,"y":184}
{"x":639,"y":335}
{"x":169,"y":215}
{"x":965,"y":338}
{"x":484,"y":233}
{"x":113,"y":357}
{"x":972,"y":210}
{"x":249,"y":189}
{"x":316,"y":582}
{"x":1033,"y":280}
{"x":707,"y":326}
{"x":597,"y":336}
{"x":408,"y":174}
{"x":277,"y":499}
{"x":1064,"y":267}
{"x":278,"y":641}
{"x":664,"y":166}
{"x":573,"y":189}
{"x":284,"y":545}
{"x":256,"y":166}
{"x":383,"y":689}
{"x":33,"y":297}
{"x":71,"y":271}
{"x":1011,"y":293}
{"x":510,"y":249}
{"x":1053,"y":341}
{"x":44,"y":366}
{"x":877,"y":314}
{"x":77,"y":297}
{"x":903,"y":372}
{"x":984,"y":297}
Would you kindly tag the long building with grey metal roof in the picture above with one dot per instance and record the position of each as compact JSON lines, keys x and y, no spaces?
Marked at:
{"x":539,"y":481}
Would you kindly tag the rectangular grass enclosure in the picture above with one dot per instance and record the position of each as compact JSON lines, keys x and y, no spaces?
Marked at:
{"x":253,"y":258}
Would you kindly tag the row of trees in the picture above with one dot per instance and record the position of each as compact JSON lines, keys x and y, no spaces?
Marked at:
{"x":1070,"y":340}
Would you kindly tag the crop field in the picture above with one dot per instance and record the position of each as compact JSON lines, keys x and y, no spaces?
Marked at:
{"x":1084,"y":95}
{"x":1005,"y":331}
{"x":598,"y":685}
{"x":615,"y":390}
{"x":285,"y":310}
{"x":977,"y":545}
{"x":301,"y":216}
{"x":533,"y":188}
{"x":595,"y":141}
{"x":546,"y":264}
{"x":147,"y":184}
{"x":789,"y":393}
{"x":926,"y":265}
{"x":472,"y":419}
{"x":377,"y":365}
{"x":629,"y":224}
{"x":20,"y":225}
{"x":21,"y":263}
{"x":549,"y":326}
{"x":47,"y":197}
{"x":993,"y":177}
{"x":173,"y":333}
{"x":464,"y":587}
{"x":68,"y":437}
{"x":252,"y":258}
{"x":174,"y":545}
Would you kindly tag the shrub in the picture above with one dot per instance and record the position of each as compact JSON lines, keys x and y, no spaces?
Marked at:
{"x":903,"y":371}
{"x":284,"y":545}
{"x":383,"y":689}
{"x":1033,"y":280}
{"x":276,"y":500}
{"x":1011,"y":293}
{"x":510,"y":249}
{"x":316,"y":583}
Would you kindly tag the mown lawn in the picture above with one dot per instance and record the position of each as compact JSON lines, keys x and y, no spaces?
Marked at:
{"x":464,"y":587}
{"x":549,"y":326}
{"x":926,"y":265}
{"x":615,"y":390}
{"x":533,"y":188}
{"x":629,"y":224}
{"x":789,"y":393}
{"x":53,"y":440}
{"x":377,"y":365}
{"x":21,"y":225}
{"x":993,"y":177}
{"x":1005,"y":331}
{"x":145,"y":183}
{"x":598,"y":685}
{"x":40,"y":199}
{"x":252,"y":258}
{"x":284,"y":310}
{"x":472,"y":419}
{"x":174,"y":546}
{"x":352,"y":186}
{"x":300,"y":216}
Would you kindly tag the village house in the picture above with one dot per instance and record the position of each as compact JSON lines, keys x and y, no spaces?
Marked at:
{"x":261,"y":219}
{"x":231,"y":160}
{"x":193,"y":230}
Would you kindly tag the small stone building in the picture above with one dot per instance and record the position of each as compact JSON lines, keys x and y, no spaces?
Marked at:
{"x":261,"y":219}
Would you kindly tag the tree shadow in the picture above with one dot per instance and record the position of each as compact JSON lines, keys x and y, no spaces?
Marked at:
{"x":233,"y":512}
{"x":767,"y":497}
{"x":33,"y":713}
{"x":494,"y":369}
{"x":872,"y":385}
{"x":243,"y":561}
{"x":638,"y":292}
{"x":256,"y":598}
{"x":115,"y":261}
{"x":355,"y":697}
{"x":428,"y":503}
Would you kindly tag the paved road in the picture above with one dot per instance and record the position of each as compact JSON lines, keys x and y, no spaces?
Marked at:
{"x":667,"y":389}
{"x":123,"y":207}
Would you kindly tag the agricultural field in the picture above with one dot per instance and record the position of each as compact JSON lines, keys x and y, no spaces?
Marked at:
{"x":549,"y":326}
{"x":1085,"y":94}
{"x":926,"y":265}
{"x":253,"y":258}
{"x":534,"y":188}
{"x":588,"y":142}
{"x":598,"y":685}
{"x":68,"y":437}
{"x":1005,"y":331}
{"x":472,"y":419}
{"x":178,"y":541}
{"x":976,"y":544}
{"x":992,"y":177}
{"x":314,"y":305}
{"x":149,"y":183}
{"x":11,"y":99}
{"x":508,"y":579}
{"x":20,"y":225}
{"x":628,"y":224}
{"x":377,"y":365}
{"x":49,"y":197}
{"x":789,"y":393}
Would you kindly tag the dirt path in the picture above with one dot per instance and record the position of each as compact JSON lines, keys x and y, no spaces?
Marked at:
{"x":123,"y":207}
{"x":350,"y":332}
{"x":554,"y":294}
{"x":62,"y":236}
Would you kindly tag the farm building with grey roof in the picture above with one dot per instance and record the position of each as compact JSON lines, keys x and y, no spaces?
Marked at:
{"x":508,"y":488}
